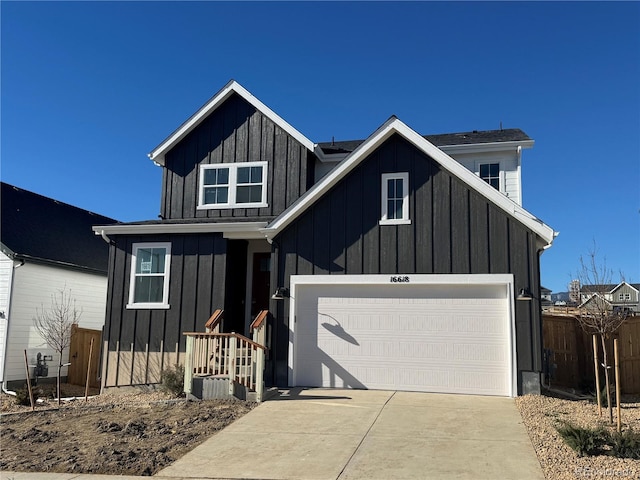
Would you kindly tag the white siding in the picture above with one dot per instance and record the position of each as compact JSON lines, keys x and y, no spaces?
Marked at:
{"x":33,"y":286}
{"x":510,"y":183}
{"x":6,"y":270}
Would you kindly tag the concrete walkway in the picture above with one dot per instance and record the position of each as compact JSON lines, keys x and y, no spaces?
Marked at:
{"x":322,"y":434}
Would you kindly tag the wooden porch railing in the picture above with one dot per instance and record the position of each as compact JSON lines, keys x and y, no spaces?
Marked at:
{"x":229,"y":354}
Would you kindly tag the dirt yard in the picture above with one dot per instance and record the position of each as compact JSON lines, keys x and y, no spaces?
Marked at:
{"x":133,"y":434}
{"x":139,"y":434}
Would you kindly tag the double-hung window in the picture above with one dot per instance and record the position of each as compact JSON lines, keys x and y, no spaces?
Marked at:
{"x":624,"y":296}
{"x":149,"y":285}
{"x":233,"y":185}
{"x":490,"y":173}
{"x":395,"y":199}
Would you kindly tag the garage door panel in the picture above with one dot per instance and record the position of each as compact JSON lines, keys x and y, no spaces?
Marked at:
{"x":375,"y":337}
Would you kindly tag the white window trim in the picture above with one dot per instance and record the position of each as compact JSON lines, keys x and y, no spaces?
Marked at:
{"x":233,"y":175}
{"x":167,"y":270}
{"x":501,"y":181}
{"x":405,"y":220}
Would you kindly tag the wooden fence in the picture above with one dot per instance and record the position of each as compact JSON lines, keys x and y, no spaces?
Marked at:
{"x":79,"y":356}
{"x":571,"y":352}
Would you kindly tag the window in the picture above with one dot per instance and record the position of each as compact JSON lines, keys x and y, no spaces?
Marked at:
{"x":395,"y":199}
{"x":237,"y":185}
{"x":490,"y":173}
{"x":150,"y":265}
{"x":624,"y":296}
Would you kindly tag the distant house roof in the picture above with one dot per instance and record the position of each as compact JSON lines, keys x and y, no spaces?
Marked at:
{"x":442,"y":140}
{"x":606,"y":288}
{"x":45,"y":230}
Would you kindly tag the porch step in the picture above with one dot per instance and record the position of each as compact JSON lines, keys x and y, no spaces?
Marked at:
{"x":266,"y":395}
{"x":217,"y":386}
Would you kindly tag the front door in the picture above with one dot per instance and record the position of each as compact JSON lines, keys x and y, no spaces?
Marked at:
{"x":260,"y":286}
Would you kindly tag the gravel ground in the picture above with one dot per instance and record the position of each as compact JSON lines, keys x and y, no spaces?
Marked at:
{"x":541,"y":414}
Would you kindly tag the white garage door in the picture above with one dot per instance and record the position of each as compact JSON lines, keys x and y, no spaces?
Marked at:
{"x":454,"y":338}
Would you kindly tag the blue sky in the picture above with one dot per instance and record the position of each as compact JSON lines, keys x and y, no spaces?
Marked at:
{"x":89,"y":88}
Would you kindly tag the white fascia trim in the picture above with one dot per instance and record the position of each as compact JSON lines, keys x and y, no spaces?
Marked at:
{"x":158,"y":153}
{"x":416,"y":279}
{"x":613,"y":290}
{"x":231,"y":230}
{"x":394,"y":125}
{"x":486,"y":147}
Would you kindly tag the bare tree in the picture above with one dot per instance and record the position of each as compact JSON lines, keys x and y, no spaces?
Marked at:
{"x":55,"y":323}
{"x":597,"y":316}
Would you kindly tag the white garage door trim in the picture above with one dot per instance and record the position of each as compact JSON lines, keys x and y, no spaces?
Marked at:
{"x":299,"y":283}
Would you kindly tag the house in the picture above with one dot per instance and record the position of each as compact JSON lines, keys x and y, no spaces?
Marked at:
{"x":545,"y":298}
{"x":45,"y":246}
{"x":397,"y":259}
{"x":622,"y":296}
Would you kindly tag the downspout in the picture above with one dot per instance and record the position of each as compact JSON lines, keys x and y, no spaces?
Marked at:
{"x":104,"y":237}
{"x":6,"y":337}
{"x":519,"y":156}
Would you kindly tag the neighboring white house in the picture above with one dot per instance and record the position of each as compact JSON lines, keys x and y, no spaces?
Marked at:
{"x":46,"y":246}
{"x":623,"y":296}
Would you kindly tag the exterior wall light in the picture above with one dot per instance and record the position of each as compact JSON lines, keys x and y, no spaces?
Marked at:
{"x":525,"y":295}
{"x":281,"y":293}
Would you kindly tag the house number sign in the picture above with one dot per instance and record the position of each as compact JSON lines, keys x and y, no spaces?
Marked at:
{"x":399,"y":279}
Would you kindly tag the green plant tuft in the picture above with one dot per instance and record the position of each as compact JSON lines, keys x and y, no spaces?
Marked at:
{"x":172,"y":380}
{"x":626,"y":444}
{"x":22,"y":396}
{"x":584,"y":441}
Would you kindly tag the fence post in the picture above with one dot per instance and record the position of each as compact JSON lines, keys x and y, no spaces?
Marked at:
{"x":616,"y":359}
{"x":188,"y":365}
{"x":597,"y":373}
{"x":232,"y":362}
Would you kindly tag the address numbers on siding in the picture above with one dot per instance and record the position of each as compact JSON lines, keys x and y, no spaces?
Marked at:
{"x":399,"y":279}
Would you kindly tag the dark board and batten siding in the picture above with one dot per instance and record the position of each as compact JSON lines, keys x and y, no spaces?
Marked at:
{"x":141,"y":342}
{"x":235,"y":132}
{"x":453,"y":230}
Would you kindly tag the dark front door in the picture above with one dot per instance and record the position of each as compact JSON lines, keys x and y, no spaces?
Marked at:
{"x":260,"y":287}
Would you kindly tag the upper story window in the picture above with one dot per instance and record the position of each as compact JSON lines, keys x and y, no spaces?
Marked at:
{"x":233,"y":185}
{"x":624,"y":296}
{"x":149,"y":285}
{"x":395,"y":199}
{"x":490,"y":173}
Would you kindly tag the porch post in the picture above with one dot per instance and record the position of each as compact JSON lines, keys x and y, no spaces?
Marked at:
{"x":188,"y":365}
{"x":233,"y":358}
{"x":259,"y":374}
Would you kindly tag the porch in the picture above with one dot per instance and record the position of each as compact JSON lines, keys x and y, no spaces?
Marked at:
{"x":224,"y":365}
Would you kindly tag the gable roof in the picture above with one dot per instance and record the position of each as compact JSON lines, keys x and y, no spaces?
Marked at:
{"x":42,"y":229}
{"x":158,"y":153}
{"x":633,"y":286}
{"x":596,"y":296}
{"x":511,"y":135}
{"x":607,"y":288}
{"x":390,"y":127}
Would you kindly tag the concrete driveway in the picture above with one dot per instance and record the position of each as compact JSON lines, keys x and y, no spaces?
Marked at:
{"x":325,"y":434}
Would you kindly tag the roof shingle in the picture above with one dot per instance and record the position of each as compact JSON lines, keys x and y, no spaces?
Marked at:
{"x":43,"y":229}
